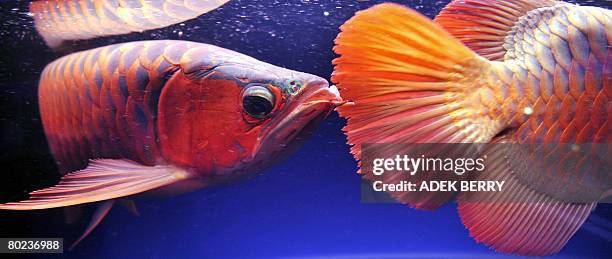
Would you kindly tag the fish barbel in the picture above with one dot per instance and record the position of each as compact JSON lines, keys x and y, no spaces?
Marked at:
{"x":509,"y":72}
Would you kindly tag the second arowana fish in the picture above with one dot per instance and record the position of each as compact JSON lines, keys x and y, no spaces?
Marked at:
{"x":504,"y":71}
{"x":62,"y":20}
{"x":167,"y":116}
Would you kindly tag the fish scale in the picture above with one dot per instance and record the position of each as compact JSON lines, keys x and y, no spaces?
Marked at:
{"x":103,"y":102}
{"x":566,"y":71}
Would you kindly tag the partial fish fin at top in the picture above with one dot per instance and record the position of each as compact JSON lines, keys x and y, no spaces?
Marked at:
{"x":410,"y":81}
{"x":518,"y":218}
{"x":483,"y":25}
{"x":61,"y":20}
{"x":103,"y":179}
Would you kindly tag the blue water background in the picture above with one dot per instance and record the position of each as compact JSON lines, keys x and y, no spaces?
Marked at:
{"x":309,"y":205}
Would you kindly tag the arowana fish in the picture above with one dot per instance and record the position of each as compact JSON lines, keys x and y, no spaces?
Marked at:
{"x":519,"y":72}
{"x":167,"y":116}
{"x":61,"y":20}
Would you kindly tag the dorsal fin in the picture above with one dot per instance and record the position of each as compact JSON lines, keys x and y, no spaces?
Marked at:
{"x":483,"y":25}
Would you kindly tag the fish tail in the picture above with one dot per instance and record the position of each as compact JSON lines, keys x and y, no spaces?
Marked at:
{"x":410,"y":81}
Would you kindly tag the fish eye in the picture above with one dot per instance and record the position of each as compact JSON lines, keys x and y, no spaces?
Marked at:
{"x":258,"y":101}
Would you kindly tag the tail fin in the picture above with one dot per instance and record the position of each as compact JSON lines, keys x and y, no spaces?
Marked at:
{"x":412,"y":82}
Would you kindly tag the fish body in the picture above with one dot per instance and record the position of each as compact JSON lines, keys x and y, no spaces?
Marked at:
{"x":530,"y":77}
{"x":61,"y":20}
{"x":552,"y":90}
{"x":557,"y":67}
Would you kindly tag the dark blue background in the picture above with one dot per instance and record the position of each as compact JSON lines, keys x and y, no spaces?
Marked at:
{"x":307,"y":206}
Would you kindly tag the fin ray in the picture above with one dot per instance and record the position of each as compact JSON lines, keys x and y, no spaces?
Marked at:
{"x":518,"y":219}
{"x":103,"y":179}
{"x":409,"y":81}
{"x":483,"y":25}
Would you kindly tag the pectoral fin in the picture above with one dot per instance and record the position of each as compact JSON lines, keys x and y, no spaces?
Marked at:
{"x":103,"y":179}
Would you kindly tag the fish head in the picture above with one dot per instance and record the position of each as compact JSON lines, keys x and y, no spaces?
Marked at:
{"x":304,"y":100}
{"x":240,"y":117}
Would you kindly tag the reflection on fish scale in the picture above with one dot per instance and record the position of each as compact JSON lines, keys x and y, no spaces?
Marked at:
{"x":60,"y":20}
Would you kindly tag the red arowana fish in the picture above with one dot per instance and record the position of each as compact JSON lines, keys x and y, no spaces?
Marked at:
{"x":144,"y":116}
{"x":61,"y":20}
{"x":501,"y":71}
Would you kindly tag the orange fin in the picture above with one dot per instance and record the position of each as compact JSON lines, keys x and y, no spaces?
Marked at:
{"x":410,"y":81}
{"x":100,"y":213}
{"x":103,"y":179}
{"x":518,"y":219}
{"x":483,"y":25}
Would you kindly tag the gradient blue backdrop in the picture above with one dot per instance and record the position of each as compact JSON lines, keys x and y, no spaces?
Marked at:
{"x":309,"y":205}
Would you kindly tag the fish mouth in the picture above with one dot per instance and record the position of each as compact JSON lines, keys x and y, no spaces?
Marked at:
{"x":303,"y":116}
{"x":336,"y":100}
{"x":309,"y":106}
